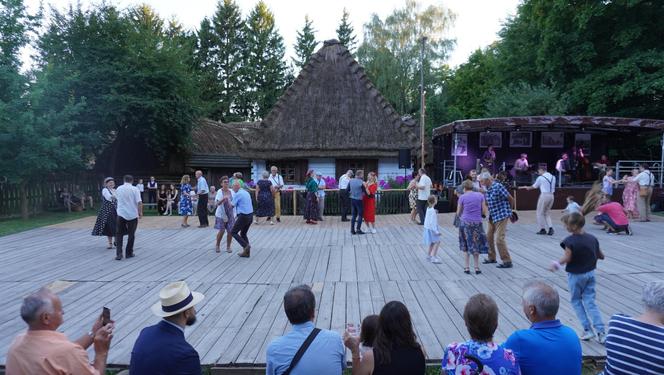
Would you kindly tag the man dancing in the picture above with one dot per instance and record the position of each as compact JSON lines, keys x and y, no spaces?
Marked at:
{"x":245,"y":216}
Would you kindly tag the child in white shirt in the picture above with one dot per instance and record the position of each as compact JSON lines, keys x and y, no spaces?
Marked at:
{"x":431,"y":231}
{"x":572,"y":206}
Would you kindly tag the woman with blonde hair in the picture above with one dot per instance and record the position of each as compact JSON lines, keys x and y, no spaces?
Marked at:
{"x":369,"y":202}
{"x":186,"y":209}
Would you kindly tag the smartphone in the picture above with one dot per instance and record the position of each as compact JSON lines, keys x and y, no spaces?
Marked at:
{"x":105,"y":316}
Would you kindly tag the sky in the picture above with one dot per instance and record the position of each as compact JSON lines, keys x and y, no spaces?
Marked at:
{"x":477,"y":21}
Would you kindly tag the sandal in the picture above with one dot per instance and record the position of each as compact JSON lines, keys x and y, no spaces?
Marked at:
{"x":217,"y":250}
{"x":229,"y":250}
{"x":466,"y":271}
{"x":477,"y":271}
{"x":110,"y":246}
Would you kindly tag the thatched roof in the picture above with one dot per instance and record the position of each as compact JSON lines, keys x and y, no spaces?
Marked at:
{"x":330,"y":110}
{"x":560,"y":123}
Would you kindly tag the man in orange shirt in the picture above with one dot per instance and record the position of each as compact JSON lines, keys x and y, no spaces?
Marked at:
{"x":43,"y":350}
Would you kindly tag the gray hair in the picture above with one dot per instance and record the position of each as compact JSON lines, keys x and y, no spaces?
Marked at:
{"x":485,"y":176}
{"x":350,"y":173}
{"x":35,"y":304}
{"x":653,"y":296}
{"x":543,"y":296}
{"x":265,"y":174}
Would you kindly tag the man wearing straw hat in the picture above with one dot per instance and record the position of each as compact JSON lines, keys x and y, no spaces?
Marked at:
{"x":161,"y":348}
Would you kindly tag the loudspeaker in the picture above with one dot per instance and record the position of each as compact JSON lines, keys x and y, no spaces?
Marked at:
{"x":404,"y":158}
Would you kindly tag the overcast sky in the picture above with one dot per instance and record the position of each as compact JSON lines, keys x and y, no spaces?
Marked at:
{"x":477,"y":22}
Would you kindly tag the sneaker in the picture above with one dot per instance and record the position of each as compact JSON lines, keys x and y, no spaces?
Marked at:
{"x":429,"y":258}
{"x":601,"y":338}
{"x":271,"y":222}
{"x":435,"y":260}
{"x":587,"y":335}
{"x":373,"y":231}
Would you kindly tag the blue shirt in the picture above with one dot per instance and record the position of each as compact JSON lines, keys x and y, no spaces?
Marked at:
{"x":326,"y":354}
{"x":202,"y":186}
{"x":499,"y":205}
{"x":242,"y":202}
{"x":547,"y":348}
{"x":633,"y":347}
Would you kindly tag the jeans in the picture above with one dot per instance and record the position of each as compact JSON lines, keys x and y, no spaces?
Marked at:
{"x":498,"y":230}
{"x":356,"y":209}
{"x":344,"y":199}
{"x":582,"y":292}
{"x":123,"y":227}
{"x":201,"y":209}
{"x":241,"y":227}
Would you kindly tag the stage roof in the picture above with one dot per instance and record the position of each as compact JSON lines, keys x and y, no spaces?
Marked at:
{"x":552,"y":123}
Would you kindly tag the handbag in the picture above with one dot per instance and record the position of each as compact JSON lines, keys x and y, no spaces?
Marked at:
{"x":302,"y":350}
{"x":457,"y":221}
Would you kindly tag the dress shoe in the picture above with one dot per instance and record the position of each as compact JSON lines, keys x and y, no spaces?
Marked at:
{"x":542,"y":231}
{"x":118,"y":258}
{"x":505,"y":265}
{"x":245,"y":253}
{"x":550,"y":233}
{"x":130,"y":256}
{"x":353,"y":232}
{"x":489,"y":261}
{"x":359,"y":232}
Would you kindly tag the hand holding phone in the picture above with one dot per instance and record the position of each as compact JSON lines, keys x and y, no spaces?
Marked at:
{"x":105,"y":316}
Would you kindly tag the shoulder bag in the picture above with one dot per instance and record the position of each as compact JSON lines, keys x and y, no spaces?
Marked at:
{"x":643,"y":190}
{"x":302,"y":350}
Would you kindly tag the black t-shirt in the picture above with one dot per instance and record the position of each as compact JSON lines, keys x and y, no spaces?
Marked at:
{"x":585,"y":250}
{"x":404,"y":361}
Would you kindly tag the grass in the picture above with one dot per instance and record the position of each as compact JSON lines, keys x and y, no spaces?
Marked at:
{"x":11,"y":226}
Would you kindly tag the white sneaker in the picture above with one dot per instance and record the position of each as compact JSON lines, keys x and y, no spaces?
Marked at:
{"x":435,"y":260}
{"x":271,"y":222}
{"x":373,"y":230}
{"x":429,"y":258}
{"x":587,"y":335}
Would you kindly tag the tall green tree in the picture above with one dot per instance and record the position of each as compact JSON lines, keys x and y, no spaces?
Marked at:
{"x":266,"y":69}
{"x":37,"y":141}
{"x":305,"y":44}
{"x":221,"y":56}
{"x":390,"y":52}
{"x":346,"y":33}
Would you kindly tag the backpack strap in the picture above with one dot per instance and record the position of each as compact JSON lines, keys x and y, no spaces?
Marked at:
{"x":302,"y":350}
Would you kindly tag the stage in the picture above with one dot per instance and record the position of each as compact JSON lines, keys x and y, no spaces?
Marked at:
{"x":352,"y":276}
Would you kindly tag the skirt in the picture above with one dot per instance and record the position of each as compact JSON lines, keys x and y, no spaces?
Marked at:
{"x":430,"y":237}
{"x":311,"y":207}
{"x":106,"y":220}
{"x":472,"y":238}
{"x":226,"y":225}
{"x":412,"y":199}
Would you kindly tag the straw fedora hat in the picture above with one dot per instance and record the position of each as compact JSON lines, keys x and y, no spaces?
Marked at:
{"x":175,"y":298}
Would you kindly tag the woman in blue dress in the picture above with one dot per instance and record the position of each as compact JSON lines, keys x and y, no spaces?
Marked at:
{"x":185,"y":200}
{"x":264,"y":198}
{"x":481,"y":318}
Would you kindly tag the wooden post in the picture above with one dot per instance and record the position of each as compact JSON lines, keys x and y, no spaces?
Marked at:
{"x":294,"y":202}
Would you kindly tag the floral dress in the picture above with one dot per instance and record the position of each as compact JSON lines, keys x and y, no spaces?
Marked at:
{"x":496,"y":359}
{"x":630,"y":196}
{"x":185,"y":200}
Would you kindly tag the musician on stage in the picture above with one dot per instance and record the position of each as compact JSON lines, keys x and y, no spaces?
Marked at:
{"x":489,"y":160}
{"x":521,"y":169}
{"x":563,"y":167}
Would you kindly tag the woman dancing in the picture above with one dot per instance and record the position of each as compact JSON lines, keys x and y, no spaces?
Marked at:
{"x":186,"y":209}
{"x":224,"y":216}
{"x":105,"y":224}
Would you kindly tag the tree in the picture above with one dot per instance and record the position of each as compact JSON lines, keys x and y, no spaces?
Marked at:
{"x":346,"y":34}
{"x":266,"y":69}
{"x":390,"y":52}
{"x":36,"y":140}
{"x":305,"y":44}
{"x":522,"y":99}
{"x":221,"y":57}
{"x":470,"y":86}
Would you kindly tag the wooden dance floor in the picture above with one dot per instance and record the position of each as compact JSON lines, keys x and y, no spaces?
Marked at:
{"x":352,"y":276}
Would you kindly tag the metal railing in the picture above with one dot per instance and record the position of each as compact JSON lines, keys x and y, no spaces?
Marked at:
{"x":624,"y":167}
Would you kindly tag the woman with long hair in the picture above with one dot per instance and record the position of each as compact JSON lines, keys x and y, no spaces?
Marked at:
{"x":186,"y":208}
{"x":224,"y":216}
{"x":105,"y":224}
{"x":369,"y":202}
{"x":161,"y":199}
{"x":311,"y":206}
{"x":395,"y":349}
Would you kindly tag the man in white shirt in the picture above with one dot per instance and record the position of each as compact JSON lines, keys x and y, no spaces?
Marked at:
{"x":202,"y":190}
{"x":546,"y":183}
{"x":278,"y":183}
{"x":563,"y":167}
{"x":130,"y":209}
{"x":320,"y":195}
{"x":646,"y":181}
{"x":344,"y":196}
{"x":423,"y":191}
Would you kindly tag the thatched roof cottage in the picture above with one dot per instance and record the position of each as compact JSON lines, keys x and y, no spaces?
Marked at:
{"x":330,"y":119}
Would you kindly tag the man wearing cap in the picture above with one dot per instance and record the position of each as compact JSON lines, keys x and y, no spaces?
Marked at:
{"x":161,"y":348}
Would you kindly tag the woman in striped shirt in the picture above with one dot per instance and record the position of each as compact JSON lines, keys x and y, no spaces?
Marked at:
{"x":636,"y":345}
